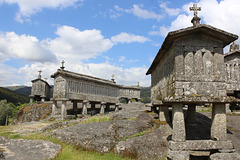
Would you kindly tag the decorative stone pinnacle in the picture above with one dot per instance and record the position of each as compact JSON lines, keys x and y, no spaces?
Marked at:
{"x":138,"y":84}
{"x":233,"y":47}
{"x":62,"y":65}
{"x":39,"y":75}
{"x":195,"y":20}
{"x":113,"y":80}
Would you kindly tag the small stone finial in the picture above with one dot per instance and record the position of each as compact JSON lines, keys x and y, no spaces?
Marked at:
{"x":138,"y":84}
{"x":62,"y":65}
{"x":39,"y":75}
{"x":195,"y":20}
{"x":233,"y":47}
{"x":113,"y":80}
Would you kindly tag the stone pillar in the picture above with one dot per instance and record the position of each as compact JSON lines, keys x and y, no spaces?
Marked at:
{"x":117,"y":107}
{"x":54,"y":105}
{"x":103,"y":105}
{"x":63,"y":110}
{"x":164,"y":114}
{"x":31,"y":100}
{"x":191,"y":114}
{"x":179,"y":133}
{"x":228,"y":108}
{"x":75,"y":108}
{"x":84,"y":107}
{"x":129,"y":100}
{"x":42,"y":99}
{"x":219,"y":122}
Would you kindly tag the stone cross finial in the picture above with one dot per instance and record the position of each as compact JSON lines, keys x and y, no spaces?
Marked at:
{"x":39,"y":75}
{"x":195,"y":9}
{"x":113,"y":78}
{"x":195,"y":20}
{"x":233,"y":47}
{"x":62,"y":65}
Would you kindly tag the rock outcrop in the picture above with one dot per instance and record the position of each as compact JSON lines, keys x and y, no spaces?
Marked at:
{"x":33,"y":112}
{"x":131,"y":133}
{"x":19,"y":149}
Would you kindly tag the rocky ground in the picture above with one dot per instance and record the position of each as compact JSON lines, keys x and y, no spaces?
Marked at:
{"x":132,"y":132}
{"x":24,"y":149}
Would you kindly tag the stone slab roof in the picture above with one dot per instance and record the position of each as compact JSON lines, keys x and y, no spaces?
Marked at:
{"x":91,"y":78}
{"x":130,"y":87}
{"x":232,"y":53}
{"x":38,"y":79}
{"x":224,"y":36}
{"x":82,"y":76}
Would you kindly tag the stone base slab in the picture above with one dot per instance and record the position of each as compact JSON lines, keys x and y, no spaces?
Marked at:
{"x":225,"y":156}
{"x":200,"y":145}
{"x":178,"y":155}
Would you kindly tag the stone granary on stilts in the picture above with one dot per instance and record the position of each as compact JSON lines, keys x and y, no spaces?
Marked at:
{"x":232,"y":72}
{"x":189,"y":70}
{"x":40,"y":89}
{"x":88,"y":91}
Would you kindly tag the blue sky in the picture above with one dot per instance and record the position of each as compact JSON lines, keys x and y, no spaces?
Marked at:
{"x":98,"y":38}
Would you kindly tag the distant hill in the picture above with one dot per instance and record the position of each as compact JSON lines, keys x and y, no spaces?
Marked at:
{"x":12,"y":96}
{"x":20,"y":89}
{"x":145,"y":94}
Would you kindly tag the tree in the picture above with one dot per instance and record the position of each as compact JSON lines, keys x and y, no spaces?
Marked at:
{"x":6,"y":110}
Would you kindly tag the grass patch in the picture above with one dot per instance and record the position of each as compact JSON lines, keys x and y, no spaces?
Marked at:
{"x":152,"y":112}
{"x":68,"y":152}
{"x":141,"y":133}
{"x":233,"y":114}
{"x":72,"y":153}
{"x":232,"y":129}
{"x":132,"y":119}
{"x":206,"y":109}
{"x":156,"y":121}
{"x":95,"y":119}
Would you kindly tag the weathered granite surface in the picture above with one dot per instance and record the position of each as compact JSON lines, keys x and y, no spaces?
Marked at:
{"x":33,"y":112}
{"x":120,"y":134}
{"x":103,"y":136}
{"x":224,"y":156}
{"x":24,"y":149}
{"x":153,"y":145}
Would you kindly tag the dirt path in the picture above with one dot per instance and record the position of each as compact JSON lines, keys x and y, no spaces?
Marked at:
{"x":233,"y":123}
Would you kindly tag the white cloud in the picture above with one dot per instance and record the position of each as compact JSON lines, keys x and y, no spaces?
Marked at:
{"x":23,"y":47}
{"x":129,"y":76}
{"x":182,"y":21}
{"x":71,"y":45}
{"x":128,"y":38}
{"x":30,"y":7}
{"x":9,"y":75}
{"x":78,"y":45}
{"x":169,"y":11}
{"x":137,"y":11}
{"x":223,"y":15}
{"x":30,"y":72}
{"x":122,"y":58}
{"x":114,"y":14}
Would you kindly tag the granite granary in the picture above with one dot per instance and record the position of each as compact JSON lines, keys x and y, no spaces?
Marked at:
{"x":73,"y":91}
{"x":40,"y":89}
{"x":191,"y":69}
